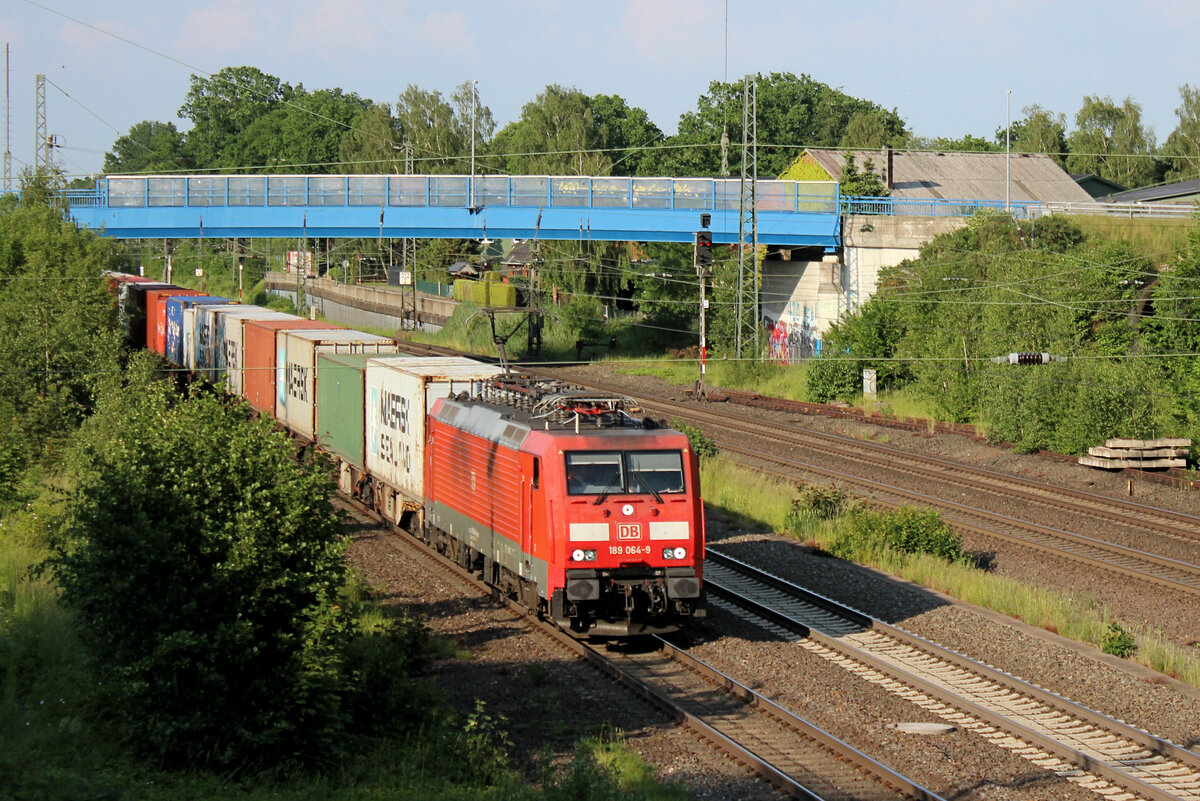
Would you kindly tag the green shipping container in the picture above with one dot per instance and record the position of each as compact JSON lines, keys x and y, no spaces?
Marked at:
{"x":340,"y":404}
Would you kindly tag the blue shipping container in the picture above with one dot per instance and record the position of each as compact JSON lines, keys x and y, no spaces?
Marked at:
{"x":175,"y":307}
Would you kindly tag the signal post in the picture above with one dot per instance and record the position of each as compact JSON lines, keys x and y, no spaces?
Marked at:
{"x":702,"y":257}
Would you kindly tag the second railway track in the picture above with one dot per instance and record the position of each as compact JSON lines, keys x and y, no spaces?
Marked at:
{"x":1074,"y":742}
{"x":758,"y":443}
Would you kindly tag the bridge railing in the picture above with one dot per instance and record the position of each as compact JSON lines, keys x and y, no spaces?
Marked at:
{"x":1022,"y":209}
{"x":453,"y":191}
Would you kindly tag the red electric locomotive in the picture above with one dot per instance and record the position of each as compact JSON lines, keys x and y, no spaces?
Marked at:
{"x":565,"y":499}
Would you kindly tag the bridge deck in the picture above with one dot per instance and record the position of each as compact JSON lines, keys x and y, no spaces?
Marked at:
{"x":790,"y":213}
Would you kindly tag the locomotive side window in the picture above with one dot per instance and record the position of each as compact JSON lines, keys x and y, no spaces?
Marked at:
{"x":624,"y":472}
{"x":537,"y":472}
{"x":594,"y":473}
{"x":655,"y":471}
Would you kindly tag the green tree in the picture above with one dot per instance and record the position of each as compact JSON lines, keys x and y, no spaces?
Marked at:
{"x":222,"y":106}
{"x":1111,"y":141}
{"x":557,"y":134}
{"x":440,"y":133}
{"x":793,"y":113}
{"x":968,"y":143}
{"x":374,"y":143}
{"x":667,"y":292}
{"x":1182,"y":148}
{"x":1041,"y":131}
{"x":205,"y":562}
{"x":863,"y":182}
{"x":58,"y":332}
{"x":627,"y":133}
{"x":149,"y":147}
{"x":303,"y":135}
{"x":873,"y":129}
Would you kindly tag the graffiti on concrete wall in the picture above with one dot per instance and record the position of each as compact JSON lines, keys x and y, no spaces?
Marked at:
{"x":795,"y":336}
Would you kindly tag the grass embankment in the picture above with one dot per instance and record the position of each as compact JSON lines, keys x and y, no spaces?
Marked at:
{"x":55,"y":746}
{"x":768,"y":505}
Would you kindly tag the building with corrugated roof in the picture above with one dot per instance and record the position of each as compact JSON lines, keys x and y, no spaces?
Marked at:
{"x":950,"y":175}
{"x":1178,"y":192}
{"x":803,"y":293}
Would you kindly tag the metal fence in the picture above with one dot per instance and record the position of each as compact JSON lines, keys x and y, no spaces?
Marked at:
{"x":1021,"y":209}
{"x":461,"y":191}
{"x":453,"y":191}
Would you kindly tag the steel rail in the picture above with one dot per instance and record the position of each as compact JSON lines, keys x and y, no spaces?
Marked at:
{"x":1175,"y":524}
{"x":857,"y":619}
{"x":761,"y":765}
{"x":1143,"y":565}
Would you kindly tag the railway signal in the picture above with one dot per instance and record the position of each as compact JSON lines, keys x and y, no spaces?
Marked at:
{"x":704,"y":254}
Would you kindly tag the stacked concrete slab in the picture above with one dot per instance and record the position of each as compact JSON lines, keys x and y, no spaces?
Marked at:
{"x":1142,"y":454}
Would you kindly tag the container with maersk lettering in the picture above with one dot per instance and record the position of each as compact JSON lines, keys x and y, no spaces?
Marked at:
{"x":296,"y":374}
{"x":400,"y":392}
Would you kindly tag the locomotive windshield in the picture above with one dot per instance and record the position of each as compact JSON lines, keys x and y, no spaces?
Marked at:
{"x":624,"y":472}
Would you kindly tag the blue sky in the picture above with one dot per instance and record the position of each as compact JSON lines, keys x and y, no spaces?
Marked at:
{"x":943,"y":65}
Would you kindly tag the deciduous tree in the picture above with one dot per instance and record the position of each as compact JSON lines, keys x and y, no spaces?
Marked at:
{"x":1182,"y":148}
{"x":205,"y":562}
{"x":221,"y":107}
{"x":1110,"y":141}
{"x":149,"y":147}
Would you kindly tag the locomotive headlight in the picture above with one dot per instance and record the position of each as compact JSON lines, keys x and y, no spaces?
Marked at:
{"x":674,"y":553}
{"x":577,"y":555}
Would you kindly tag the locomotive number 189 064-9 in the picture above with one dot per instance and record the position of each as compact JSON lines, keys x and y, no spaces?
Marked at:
{"x":628,"y":550}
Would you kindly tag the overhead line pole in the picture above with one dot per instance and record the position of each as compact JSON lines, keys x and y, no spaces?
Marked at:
{"x":41,"y":152}
{"x":7,"y":125}
{"x":747,"y":298}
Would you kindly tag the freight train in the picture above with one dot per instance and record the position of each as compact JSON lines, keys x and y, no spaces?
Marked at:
{"x":566,"y":500}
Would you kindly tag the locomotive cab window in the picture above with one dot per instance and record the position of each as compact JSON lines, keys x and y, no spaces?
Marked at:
{"x":624,"y":472}
{"x":595,"y":472}
{"x":655,"y":471}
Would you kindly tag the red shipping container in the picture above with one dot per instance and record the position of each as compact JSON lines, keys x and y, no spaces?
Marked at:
{"x":156,"y":316}
{"x":260,"y":356}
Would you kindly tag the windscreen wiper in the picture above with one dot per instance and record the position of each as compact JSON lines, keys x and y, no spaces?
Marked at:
{"x":607,"y":488}
{"x":642,"y":480}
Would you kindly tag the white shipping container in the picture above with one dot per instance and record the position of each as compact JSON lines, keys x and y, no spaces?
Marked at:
{"x":204,"y":337}
{"x":230,"y":344}
{"x":296,"y":370}
{"x":189,"y":338}
{"x":400,"y":391}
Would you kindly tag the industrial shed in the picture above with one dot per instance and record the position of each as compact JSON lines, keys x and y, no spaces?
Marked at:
{"x":936,"y":175}
{"x":803,"y":292}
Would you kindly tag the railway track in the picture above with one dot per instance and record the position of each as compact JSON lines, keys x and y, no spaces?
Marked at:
{"x":757,"y":443}
{"x":753,"y":442}
{"x":795,"y":756}
{"x":1076,"y":743}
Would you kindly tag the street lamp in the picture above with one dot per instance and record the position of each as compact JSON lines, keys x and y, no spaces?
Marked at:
{"x":1008,"y":150}
{"x":474,"y":89}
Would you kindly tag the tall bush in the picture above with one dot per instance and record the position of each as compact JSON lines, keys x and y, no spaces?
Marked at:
{"x":205,"y":562}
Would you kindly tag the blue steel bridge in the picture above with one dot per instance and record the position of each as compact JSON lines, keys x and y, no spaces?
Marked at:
{"x":790,"y":213}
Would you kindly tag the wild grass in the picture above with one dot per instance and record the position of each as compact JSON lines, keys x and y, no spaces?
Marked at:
{"x":1156,"y":238}
{"x":743,"y":494}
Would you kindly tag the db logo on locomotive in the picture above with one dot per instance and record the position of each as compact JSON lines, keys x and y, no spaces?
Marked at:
{"x":629,"y":531}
